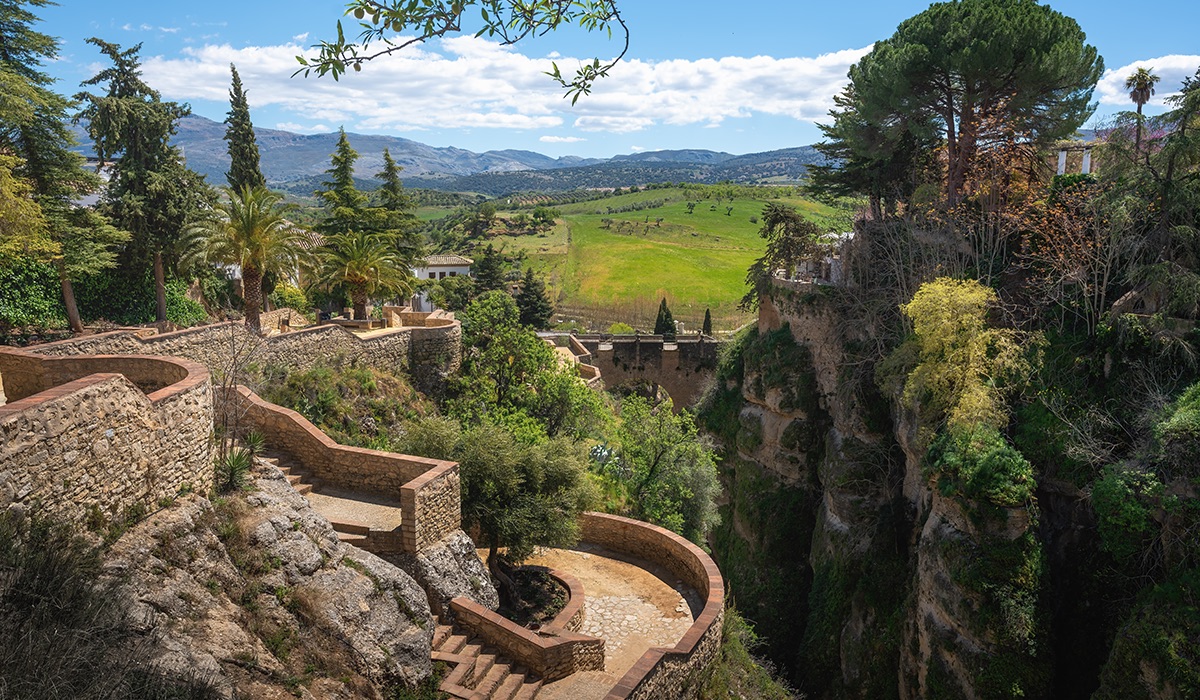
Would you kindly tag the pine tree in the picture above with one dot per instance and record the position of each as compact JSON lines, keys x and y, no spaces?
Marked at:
{"x":343,"y":202}
{"x":33,"y":127}
{"x":244,"y":168}
{"x":706,"y":329}
{"x":152,"y":194}
{"x":532,"y":300}
{"x":394,"y":213}
{"x":664,"y":325}
{"x":488,"y":270}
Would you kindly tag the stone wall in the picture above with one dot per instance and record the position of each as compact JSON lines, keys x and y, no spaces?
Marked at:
{"x":666,"y":673}
{"x":428,"y":352}
{"x":552,"y":652}
{"x":79,"y":438}
{"x":428,"y":489}
{"x":680,"y":368}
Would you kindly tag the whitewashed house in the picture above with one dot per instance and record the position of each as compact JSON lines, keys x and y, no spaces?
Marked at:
{"x":437,"y":267}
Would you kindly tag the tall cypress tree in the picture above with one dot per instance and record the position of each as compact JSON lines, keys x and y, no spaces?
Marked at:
{"x":244,"y":168}
{"x":533,"y":302}
{"x":394,"y":213}
{"x":706,"y":329}
{"x":664,"y":325}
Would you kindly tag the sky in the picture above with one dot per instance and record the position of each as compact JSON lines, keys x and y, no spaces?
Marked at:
{"x":739,"y":77}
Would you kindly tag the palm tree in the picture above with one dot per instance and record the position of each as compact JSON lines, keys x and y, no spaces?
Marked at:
{"x":366,"y":264}
{"x":1141,"y":87}
{"x":249,"y":230}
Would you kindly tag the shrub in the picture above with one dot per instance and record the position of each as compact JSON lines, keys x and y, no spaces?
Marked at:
{"x":232,"y":470}
{"x":182,"y":310}
{"x":290,"y":296}
{"x":981,"y":465}
{"x":1178,"y":435}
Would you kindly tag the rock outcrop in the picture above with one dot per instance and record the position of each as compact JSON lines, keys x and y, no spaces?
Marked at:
{"x":448,"y":569}
{"x":254,"y":593}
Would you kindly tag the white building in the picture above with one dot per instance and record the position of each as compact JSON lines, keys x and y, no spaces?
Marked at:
{"x":437,"y":267}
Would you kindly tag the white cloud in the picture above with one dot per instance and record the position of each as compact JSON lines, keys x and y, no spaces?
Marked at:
{"x":561,"y":139}
{"x":637,"y":149}
{"x":300,"y":38}
{"x":1172,"y":69}
{"x":301,"y":129}
{"x":465,"y":82}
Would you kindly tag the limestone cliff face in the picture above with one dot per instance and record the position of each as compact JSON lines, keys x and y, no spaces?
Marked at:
{"x":866,"y":581}
{"x":255,"y":594}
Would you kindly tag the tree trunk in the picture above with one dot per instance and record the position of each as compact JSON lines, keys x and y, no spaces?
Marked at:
{"x":68,"y":293}
{"x":358,"y":295}
{"x":506,"y":587}
{"x":252,"y":296}
{"x":160,"y":288}
{"x":1137,"y":141}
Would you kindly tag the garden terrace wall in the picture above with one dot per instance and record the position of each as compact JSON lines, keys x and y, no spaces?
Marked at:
{"x":666,"y":673}
{"x":106,"y":436}
{"x":552,"y":652}
{"x":428,"y":352}
{"x":428,"y":489}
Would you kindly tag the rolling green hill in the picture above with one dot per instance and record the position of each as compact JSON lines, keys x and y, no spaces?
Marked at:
{"x":604,"y":265}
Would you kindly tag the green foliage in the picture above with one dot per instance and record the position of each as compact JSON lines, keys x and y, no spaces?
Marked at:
{"x":1155,"y":652}
{"x":664,"y":324}
{"x":963,"y":367}
{"x":29,"y":295}
{"x":244,"y":171}
{"x":287,"y":295}
{"x":791,"y":239}
{"x":1124,"y":499}
{"x":668,"y":469}
{"x":67,"y":633}
{"x":969,"y":70}
{"x":233,"y":469}
{"x":619,"y":328}
{"x":182,"y":310}
{"x":980,"y":466}
{"x":511,"y":377}
{"x":533,"y":302}
{"x":706,"y":328}
{"x":505,"y":21}
{"x":1178,"y":435}
{"x":365,"y":264}
{"x":453,"y":293}
{"x":520,"y":495}
{"x":354,"y":406}
{"x":737,"y":672}
{"x":488,"y":270}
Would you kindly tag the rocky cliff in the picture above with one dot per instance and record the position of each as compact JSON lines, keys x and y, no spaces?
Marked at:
{"x":865,"y":579}
{"x":254,"y":594}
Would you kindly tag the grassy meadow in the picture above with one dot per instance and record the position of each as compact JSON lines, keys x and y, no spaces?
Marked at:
{"x":604,"y":267}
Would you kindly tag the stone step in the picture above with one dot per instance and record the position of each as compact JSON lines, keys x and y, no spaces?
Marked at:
{"x":508,"y":687}
{"x":528,"y":690}
{"x":355,"y":540}
{"x":453,"y":643}
{"x":482,"y":666}
{"x":293,"y":478}
{"x":351,"y":528}
{"x":303,"y":489}
{"x":490,"y":681}
{"x":440,"y":634}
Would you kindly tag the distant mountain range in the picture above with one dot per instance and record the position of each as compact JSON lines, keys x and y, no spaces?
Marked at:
{"x":289,"y":160}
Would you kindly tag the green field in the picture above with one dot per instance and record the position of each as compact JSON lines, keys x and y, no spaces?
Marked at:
{"x":601,"y":272}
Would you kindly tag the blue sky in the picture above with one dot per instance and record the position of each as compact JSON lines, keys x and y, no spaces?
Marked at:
{"x":736,"y":77}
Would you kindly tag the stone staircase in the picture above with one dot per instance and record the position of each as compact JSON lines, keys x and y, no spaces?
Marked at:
{"x":305,"y":483}
{"x":478,"y":671}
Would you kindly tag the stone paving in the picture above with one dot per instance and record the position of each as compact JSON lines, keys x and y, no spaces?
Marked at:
{"x":633,"y":605}
{"x":346,"y":506}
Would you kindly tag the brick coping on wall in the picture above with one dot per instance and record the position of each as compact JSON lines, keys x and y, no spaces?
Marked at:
{"x":177,"y":375}
{"x":712,"y":612}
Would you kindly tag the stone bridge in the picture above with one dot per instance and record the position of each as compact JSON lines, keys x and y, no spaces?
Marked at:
{"x":682,"y":368}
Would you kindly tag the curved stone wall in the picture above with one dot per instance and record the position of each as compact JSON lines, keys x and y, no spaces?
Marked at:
{"x":665,"y":673}
{"x":102,"y":437}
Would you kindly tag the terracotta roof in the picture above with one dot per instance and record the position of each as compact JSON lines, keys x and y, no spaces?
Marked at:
{"x":433,"y":260}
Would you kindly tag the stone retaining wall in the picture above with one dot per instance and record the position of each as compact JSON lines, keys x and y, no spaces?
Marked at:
{"x":428,"y":489}
{"x":552,"y":652}
{"x":665,"y":673}
{"x":88,"y":436}
{"x":427,"y":352}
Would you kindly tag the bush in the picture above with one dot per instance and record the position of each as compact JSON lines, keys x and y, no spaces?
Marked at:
{"x":232,"y":470}
{"x":182,"y":310}
{"x":1123,"y":499}
{"x":290,"y":296}
{"x":619,"y":328}
{"x":1178,"y":435}
{"x":30,"y":295}
{"x":982,"y":466}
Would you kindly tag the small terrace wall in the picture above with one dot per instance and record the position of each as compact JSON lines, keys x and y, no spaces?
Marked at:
{"x":428,"y":350}
{"x":665,"y":673}
{"x":102,"y":434}
{"x":428,"y":489}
